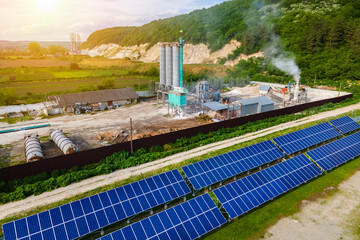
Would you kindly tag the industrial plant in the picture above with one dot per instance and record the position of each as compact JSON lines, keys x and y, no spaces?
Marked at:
{"x":217,"y":103}
{"x":175,"y":103}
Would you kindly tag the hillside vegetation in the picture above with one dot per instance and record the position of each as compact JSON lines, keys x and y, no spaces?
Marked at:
{"x":215,"y":26}
{"x":323,"y":36}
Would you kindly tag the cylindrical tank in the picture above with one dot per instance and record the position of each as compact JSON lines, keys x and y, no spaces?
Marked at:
{"x":32,"y":148}
{"x":169,"y":67}
{"x":162,"y":65}
{"x":176,"y":66}
{"x":63,"y":142}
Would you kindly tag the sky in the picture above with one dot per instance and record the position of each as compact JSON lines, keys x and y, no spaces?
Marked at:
{"x":54,"y":20}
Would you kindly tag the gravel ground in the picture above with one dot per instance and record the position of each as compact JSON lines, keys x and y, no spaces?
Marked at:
{"x":330,"y":218}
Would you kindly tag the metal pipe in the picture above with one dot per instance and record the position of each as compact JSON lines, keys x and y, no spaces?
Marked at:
{"x":181,"y":60}
{"x":63,"y":142}
{"x":32,"y":148}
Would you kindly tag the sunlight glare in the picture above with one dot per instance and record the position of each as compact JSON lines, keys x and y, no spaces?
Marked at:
{"x":45,"y":5}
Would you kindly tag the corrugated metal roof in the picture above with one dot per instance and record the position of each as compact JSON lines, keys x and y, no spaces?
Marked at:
{"x":144,"y":94}
{"x":95,"y":96}
{"x":264,"y":100}
{"x":215,"y":106}
{"x":264,"y":88}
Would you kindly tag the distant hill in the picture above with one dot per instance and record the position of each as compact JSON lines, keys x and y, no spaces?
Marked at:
{"x":323,"y":36}
{"x":214,"y":26}
{"x":22,"y":45}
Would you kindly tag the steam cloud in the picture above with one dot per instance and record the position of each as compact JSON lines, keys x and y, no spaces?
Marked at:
{"x":288,"y":66}
{"x":274,"y":51}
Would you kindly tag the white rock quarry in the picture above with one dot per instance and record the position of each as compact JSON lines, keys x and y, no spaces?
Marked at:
{"x":193,"y":54}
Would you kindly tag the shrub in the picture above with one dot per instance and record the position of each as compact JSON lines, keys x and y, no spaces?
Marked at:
{"x":74,"y":66}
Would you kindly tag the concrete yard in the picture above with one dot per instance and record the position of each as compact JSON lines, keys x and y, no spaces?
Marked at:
{"x":83,"y":130}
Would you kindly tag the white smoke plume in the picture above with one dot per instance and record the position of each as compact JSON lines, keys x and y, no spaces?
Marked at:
{"x":287,"y":65}
{"x":274,"y":50}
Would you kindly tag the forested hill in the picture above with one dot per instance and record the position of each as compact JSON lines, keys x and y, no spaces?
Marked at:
{"x":323,"y":35}
{"x":215,"y":26}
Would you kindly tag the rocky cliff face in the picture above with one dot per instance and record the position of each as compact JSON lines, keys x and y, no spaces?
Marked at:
{"x":193,"y":54}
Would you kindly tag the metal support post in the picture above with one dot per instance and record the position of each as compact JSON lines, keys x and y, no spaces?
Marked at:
{"x":131,"y":139}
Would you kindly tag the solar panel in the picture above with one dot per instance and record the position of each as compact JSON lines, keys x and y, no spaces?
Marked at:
{"x":299,"y":140}
{"x":219,"y":168}
{"x":248,"y":193}
{"x":81,"y":217}
{"x":345,"y":124}
{"x":188,"y":220}
{"x":336,"y":153}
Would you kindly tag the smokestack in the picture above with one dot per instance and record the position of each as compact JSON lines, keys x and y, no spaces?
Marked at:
{"x":296,"y":94}
{"x":181,"y":58}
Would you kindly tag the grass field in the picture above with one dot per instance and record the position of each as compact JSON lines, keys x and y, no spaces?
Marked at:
{"x":69,"y":85}
{"x":41,"y":77}
{"x":36,"y":79}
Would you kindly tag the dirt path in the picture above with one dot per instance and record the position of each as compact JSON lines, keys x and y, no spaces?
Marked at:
{"x":330,"y":218}
{"x":104,"y":180}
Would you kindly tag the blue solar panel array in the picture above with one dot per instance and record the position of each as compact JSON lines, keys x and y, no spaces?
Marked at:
{"x":247,"y":193}
{"x":302,"y":139}
{"x":79,"y":218}
{"x":219,"y":168}
{"x":188,"y":220}
{"x":345,"y":124}
{"x":336,"y":153}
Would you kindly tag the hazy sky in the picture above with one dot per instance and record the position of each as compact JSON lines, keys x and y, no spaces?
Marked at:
{"x":54,"y":20}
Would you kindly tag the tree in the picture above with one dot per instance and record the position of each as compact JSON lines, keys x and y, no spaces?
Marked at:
{"x":55,"y":50}
{"x":34,"y":49}
{"x":7,"y":96}
{"x":74,"y":66}
{"x":106,"y":84}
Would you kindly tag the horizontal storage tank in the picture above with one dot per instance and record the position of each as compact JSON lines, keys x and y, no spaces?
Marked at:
{"x":32,"y":148}
{"x":63,"y":142}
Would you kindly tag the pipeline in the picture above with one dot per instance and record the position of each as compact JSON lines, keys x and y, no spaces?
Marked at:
{"x":32,"y":148}
{"x":63,"y":142}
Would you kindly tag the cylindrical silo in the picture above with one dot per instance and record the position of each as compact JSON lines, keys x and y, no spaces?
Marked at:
{"x":32,"y":148}
{"x":169,"y":67}
{"x":176,"y":66}
{"x":63,"y":142}
{"x":162,"y":65}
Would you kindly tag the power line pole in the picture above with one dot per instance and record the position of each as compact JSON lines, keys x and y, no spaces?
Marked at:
{"x":131,"y":132}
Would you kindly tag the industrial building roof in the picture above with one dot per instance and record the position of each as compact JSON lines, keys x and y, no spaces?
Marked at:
{"x":264,"y":100}
{"x":145,"y":94}
{"x":95,"y":97}
{"x":215,"y":106}
{"x":264,"y":88}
